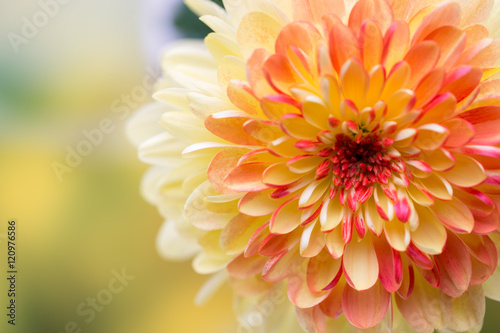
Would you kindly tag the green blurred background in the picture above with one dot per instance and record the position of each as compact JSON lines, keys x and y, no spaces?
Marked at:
{"x":73,"y":234}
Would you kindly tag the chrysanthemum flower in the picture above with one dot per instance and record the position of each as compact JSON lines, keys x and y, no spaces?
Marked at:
{"x":347,"y":151}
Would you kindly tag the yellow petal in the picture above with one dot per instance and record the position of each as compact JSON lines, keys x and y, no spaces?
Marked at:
{"x":257,"y":30}
{"x":360,"y":263}
{"x":430,"y":236}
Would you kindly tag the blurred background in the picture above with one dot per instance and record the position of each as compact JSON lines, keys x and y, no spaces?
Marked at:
{"x":89,"y":57}
{"x":78,"y":228}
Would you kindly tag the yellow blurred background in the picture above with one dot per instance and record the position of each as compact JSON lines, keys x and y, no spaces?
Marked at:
{"x":73,"y":234}
{"x":76,"y":234}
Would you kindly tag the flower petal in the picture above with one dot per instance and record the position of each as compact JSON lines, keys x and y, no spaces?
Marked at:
{"x":257,"y":30}
{"x":345,"y":36}
{"x":222,"y":163}
{"x":360,"y":264}
{"x":454,"y":214}
{"x":430,"y":236}
{"x":365,"y":309}
{"x":467,"y":172}
{"x":390,"y":265}
{"x":377,"y":10}
{"x":246,"y":178}
{"x":321,"y":271}
{"x":486,"y":121}
{"x":286,"y":218}
{"x":313,"y":10}
{"x":426,"y":309}
{"x":468,"y":310}
{"x":300,"y":295}
{"x":455,"y":267}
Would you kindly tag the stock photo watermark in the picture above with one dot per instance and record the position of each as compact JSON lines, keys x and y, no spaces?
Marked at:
{"x":12,"y":270}
{"x":89,"y":309}
{"x":121,"y":108}
{"x":31,"y":25}
{"x":255,"y":319}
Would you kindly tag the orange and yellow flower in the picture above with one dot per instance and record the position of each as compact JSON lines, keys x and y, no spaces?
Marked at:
{"x":348,"y":151}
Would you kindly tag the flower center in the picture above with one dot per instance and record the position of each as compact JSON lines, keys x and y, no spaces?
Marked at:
{"x":359,"y":162}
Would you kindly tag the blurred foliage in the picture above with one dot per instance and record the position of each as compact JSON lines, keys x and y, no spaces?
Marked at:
{"x":189,"y":24}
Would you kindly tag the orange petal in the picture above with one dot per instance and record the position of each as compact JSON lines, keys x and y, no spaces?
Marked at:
{"x":255,"y":73}
{"x":282,"y":266}
{"x":377,"y":10}
{"x":244,"y":268}
{"x":246,"y":178}
{"x":486,"y":121}
{"x":454,"y":214}
{"x":484,"y":257}
{"x":332,"y":305}
{"x":345,"y":36}
{"x":280,"y":73}
{"x":429,"y":87}
{"x":221,"y":165}
{"x":475,"y":33}
{"x":440,"y":108}
{"x":229,"y":126}
{"x":462,"y":81}
{"x":479,"y":203}
{"x":396,"y":43}
{"x":365,"y":309}
{"x":321,"y":271}
{"x":258,"y":237}
{"x":314,"y":192}
{"x":312,"y":240}
{"x":455,"y":267}
{"x":483,"y":54}
{"x":302,"y":35}
{"x":300,"y":295}
{"x":451,"y":41}
{"x":461,"y":132}
{"x":390,"y":265}
{"x":422,"y":58}
{"x":424,"y":23}
{"x":277,"y":244}
{"x":313,"y":10}
{"x":372,"y":44}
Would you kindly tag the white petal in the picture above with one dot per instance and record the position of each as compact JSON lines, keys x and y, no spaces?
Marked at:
{"x":143,"y":124}
{"x":173,"y":246}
